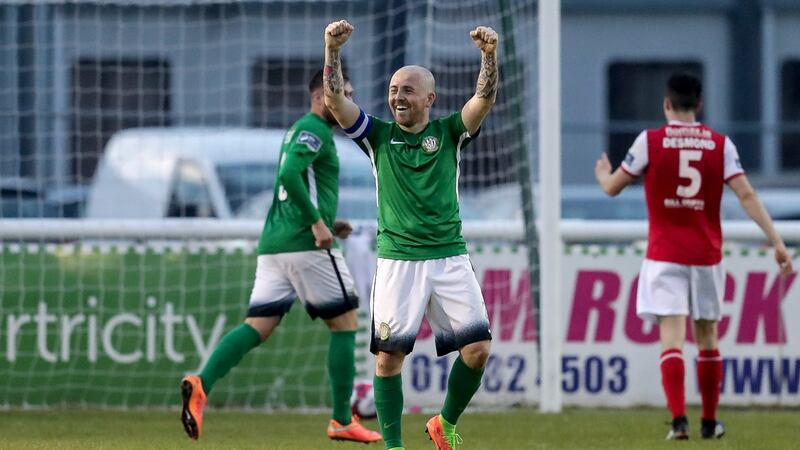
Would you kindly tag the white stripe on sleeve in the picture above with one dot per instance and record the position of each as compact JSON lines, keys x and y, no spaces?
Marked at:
{"x":360,"y":128}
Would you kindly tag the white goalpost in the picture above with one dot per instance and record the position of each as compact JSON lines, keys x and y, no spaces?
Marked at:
{"x":550,"y":243}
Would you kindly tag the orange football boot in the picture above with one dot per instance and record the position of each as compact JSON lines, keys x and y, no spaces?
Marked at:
{"x":194,"y":400}
{"x":436,"y":434}
{"x":353,"y":431}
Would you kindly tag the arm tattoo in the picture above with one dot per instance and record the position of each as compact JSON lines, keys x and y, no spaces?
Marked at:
{"x":487,"y":78}
{"x":333,"y":74}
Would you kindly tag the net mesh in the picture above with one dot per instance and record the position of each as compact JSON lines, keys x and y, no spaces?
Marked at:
{"x":162,"y":109}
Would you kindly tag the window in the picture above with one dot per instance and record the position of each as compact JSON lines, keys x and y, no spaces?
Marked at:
{"x":790,"y":115}
{"x":190,"y":197}
{"x":279,"y":91}
{"x":489,"y":160}
{"x":109,"y":95}
{"x":243,"y":182}
{"x":635,"y":94}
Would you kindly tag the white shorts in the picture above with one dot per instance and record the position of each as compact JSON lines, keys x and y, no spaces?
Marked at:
{"x":669,"y":289}
{"x":320,"y":279}
{"x":445,"y":290}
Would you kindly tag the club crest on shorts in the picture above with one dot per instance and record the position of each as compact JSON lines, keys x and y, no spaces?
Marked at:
{"x":384,"y":331}
{"x":430,"y":144}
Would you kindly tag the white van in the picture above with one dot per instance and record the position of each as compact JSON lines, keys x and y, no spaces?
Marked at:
{"x":152,"y":173}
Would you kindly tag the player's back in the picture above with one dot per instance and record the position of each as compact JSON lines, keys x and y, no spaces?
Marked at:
{"x":685,"y":175}
{"x":287,"y":227}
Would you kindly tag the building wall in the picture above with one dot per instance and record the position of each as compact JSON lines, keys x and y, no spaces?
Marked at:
{"x":9,"y":145}
{"x":786,"y":49}
{"x":210,"y":61}
{"x":591,"y":42}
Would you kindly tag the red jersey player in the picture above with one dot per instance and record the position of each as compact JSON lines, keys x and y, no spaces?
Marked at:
{"x":685,"y":165}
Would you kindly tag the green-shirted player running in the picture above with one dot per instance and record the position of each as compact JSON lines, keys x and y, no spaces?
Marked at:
{"x":423,"y":266}
{"x":296,"y":259}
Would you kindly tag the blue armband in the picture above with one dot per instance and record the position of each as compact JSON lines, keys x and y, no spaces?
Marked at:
{"x":360,"y":128}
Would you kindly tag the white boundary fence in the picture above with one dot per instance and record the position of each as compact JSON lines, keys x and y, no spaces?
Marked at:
{"x":607,"y":355}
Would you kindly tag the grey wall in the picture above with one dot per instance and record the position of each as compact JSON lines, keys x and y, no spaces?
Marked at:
{"x":591,"y":42}
{"x":210,"y":60}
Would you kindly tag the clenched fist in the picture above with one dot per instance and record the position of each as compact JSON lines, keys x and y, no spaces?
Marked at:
{"x":337,"y":33}
{"x":485,"y":39}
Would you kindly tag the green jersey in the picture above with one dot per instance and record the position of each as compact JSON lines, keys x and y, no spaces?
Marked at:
{"x":307,"y":187}
{"x":417,"y":185}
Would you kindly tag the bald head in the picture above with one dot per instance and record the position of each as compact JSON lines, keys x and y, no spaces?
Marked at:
{"x":411,"y":96}
{"x":422,"y":76}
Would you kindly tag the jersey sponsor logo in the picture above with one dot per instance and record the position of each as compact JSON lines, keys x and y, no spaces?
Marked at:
{"x":430,"y":144}
{"x":688,"y":131}
{"x":738,"y":164}
{"x":396,"y":142}
{"x":310,"y":140}
{"x":384,"y":331}
{"x":688,"y":203}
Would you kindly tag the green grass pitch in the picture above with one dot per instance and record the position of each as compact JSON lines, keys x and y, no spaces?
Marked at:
{"x":516,"y":429}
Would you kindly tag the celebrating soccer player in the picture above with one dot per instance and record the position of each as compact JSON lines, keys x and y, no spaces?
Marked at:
{"x":297,"y":258}
{"x":423,"y":266}
{"x":685,"y":165}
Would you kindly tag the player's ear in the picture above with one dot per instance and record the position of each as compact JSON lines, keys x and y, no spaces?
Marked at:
{"x":317,"y":97}
{"x":667,"y":105}
{"x":699,"y":107}
{"x":431,"y":99}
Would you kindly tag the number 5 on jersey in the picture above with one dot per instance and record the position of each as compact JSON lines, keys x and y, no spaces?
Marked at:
{"x":685,"y":170}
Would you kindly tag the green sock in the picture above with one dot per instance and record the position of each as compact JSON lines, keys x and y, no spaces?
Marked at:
{"x":341,"y":371}
{"x":462,"y":384}
{"x":389,"y":404}
{"x":447,"y":428}
{"x":230,"y":350}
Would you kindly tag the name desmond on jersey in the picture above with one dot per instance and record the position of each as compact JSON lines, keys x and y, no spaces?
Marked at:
{"x":688,"y":142}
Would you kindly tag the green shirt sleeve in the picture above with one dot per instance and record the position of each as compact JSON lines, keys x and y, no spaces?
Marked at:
{"x":458,"y":130}
{"x":372,"y":138}
{"x":298,"y":155}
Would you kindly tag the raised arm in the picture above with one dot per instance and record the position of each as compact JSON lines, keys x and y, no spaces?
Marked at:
{"x":755,"y":209}
{"x":477,"y":107}
{"x":343,"y":109}
{"x":612,"y":182}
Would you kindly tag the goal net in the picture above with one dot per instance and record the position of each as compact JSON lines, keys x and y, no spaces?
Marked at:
{"x":149,"y":131}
